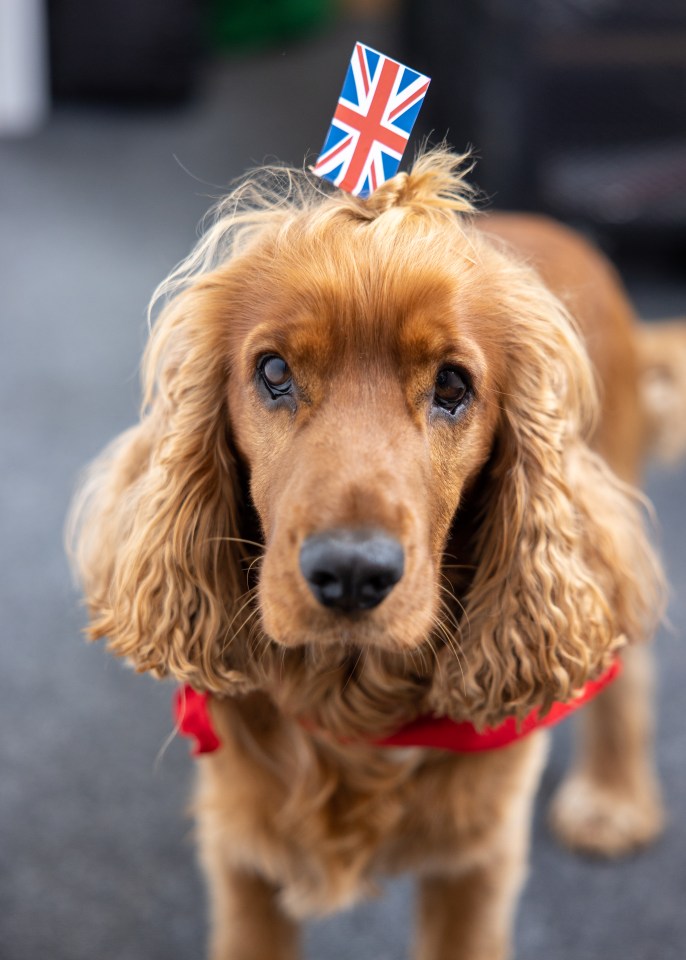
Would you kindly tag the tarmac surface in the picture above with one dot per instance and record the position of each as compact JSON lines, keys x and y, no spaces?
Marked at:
{"x":96,"y":853}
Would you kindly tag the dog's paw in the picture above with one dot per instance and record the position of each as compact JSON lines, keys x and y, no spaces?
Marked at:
{"x":602,"y":821}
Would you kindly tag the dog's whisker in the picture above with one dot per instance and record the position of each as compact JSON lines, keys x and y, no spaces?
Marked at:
{"x":457,"y":630}
{"x":455,"y":647}
{"x":453,"y":598}
{"x":226,"y":640}
{"x":255,"y":560}
{"x":432,"y":649}
{"x":166,"y":743}
{"x":352,"y":671}
{"x":450,"y":637}
{"x":251,"y":616}
{"x":250,"y":543}
{"x":445,"y":599}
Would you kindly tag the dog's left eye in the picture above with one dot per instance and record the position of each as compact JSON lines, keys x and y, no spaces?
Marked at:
{"x":451,"y":389}
{"x":276,"y":375}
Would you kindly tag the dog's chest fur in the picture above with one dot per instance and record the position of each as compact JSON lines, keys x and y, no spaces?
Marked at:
{"x":323,"y":820}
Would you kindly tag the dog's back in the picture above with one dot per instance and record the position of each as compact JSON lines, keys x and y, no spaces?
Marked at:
{"x":641,"y":368}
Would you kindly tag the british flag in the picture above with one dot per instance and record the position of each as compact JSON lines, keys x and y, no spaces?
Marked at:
{"x":374,"y":117}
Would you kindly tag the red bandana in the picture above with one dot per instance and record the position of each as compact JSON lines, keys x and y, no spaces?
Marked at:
{"x":193,"y":720}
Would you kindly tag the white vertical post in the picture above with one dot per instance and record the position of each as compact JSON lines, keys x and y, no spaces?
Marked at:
{"x":24,"y":80}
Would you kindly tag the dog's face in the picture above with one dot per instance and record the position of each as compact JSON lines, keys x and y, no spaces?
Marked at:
{"x":360,"y":397}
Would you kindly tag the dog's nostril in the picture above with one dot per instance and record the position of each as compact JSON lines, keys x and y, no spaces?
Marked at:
{"x":351,"y":569}
{"x":321,"y":579}
{"x":327,"y":588}
{"x":377,"y":585}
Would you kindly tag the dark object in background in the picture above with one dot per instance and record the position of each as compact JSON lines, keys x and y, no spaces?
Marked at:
{"x":577,"y":106}
{"x":149,"y":51}
{"x":145,"y":51}
{"x":234,"y":23}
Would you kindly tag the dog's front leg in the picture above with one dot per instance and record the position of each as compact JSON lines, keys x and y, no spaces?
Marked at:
{"x":467,"y":907}
{"x":247,"y":922}
{"x":610,"y":802}
{"x":469,"y":917}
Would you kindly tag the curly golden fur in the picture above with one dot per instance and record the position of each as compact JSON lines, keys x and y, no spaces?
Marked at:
{"x":527,"y":566}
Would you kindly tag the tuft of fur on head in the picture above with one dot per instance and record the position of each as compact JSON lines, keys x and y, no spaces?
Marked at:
{"x":437,"y":181}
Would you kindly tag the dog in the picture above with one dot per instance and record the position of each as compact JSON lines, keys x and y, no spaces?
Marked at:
{"x":386,"y":469}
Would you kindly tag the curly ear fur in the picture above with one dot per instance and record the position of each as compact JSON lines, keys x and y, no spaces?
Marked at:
{"x":155,"y":526}
{"x":564,"y":571}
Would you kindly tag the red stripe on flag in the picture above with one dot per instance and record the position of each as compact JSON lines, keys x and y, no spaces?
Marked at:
{"x":372,"y":178}
{"x":363,"y":67}
{"x":369,"y":128}
{"x":334,"y":152}
{"x":411,"y":99}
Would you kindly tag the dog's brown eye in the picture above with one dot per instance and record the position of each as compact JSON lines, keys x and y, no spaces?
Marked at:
{"x":276,"y":374}
{"x":451,"y":388}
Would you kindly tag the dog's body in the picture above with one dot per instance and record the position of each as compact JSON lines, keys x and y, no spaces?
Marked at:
{"x":388,"y":379}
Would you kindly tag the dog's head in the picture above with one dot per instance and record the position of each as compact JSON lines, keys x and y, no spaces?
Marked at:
{"x":362,"y":402}
{"x":363,"y":389}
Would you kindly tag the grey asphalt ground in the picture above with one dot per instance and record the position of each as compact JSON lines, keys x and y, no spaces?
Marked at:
{"x":96,"y":854}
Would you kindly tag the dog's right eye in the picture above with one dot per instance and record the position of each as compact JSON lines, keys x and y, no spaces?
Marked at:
{"x":451,"y":389}
{"x":276,"y":375}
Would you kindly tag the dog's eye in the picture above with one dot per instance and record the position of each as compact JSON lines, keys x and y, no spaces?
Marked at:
{"x":452,"y":388}
{"x":276,"y":374}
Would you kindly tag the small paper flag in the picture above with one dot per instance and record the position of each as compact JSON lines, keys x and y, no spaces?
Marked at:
{"x":374,"y":117}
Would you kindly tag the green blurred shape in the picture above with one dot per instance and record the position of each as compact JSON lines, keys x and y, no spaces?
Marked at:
{"x":253,"y":23}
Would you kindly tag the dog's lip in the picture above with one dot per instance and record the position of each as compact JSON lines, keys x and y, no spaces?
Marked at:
{"x":342,"y":632}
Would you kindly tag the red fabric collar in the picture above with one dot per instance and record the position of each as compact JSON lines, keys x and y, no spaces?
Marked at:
{"x":193,"y":720}
{"x":446,"y":734}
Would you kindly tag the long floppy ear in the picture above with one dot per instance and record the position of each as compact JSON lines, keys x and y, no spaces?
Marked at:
{"x":154,"y":530}
{"x":155,"y":526}
{"x":564,"y":571}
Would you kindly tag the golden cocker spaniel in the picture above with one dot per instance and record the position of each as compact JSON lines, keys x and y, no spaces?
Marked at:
{"x":384,"y":470}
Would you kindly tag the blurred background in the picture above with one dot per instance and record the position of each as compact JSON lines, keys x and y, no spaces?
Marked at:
{"x":120,"y":122}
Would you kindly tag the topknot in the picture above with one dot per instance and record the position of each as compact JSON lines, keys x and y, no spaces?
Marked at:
{"x":438,"y":179}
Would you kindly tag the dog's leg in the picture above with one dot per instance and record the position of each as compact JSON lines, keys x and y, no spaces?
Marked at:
{"x":468,"y":914}
{"x":609,"y":804}
{"x":247,"y":922}
{"x":470,"y":917}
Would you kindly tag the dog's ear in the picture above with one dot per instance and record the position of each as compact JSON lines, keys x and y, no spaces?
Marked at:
{"x":564,"y":571}
{"x":155,"y":526}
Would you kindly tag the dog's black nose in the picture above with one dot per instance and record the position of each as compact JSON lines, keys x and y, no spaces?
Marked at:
{"x":351,"y":569}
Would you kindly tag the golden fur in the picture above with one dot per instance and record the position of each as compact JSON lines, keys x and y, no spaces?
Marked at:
{"x":527,"y":566}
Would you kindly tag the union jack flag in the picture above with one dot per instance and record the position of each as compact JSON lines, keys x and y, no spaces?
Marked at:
{"x":374,"y":117}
